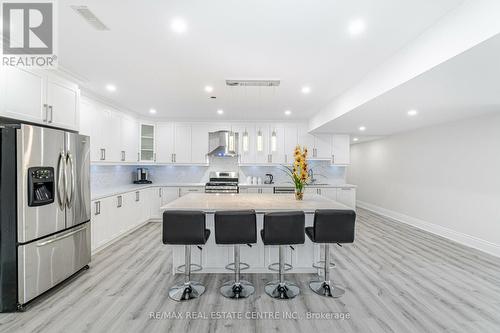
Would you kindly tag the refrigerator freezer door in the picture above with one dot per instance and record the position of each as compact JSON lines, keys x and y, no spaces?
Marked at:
{"x":39,"y":147}
{"x":77,"y":179}
{"x":48,"y":261}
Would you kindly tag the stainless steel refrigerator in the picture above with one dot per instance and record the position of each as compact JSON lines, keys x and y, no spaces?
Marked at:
{"x":44,"y":210}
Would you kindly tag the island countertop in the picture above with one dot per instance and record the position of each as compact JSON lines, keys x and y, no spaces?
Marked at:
{"x":211,"y":202}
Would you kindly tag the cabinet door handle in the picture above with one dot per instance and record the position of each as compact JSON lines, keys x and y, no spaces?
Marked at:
{"x":103,"y":157}
{"x":159,"y":192}
{"x":123,"y":155}
{"x":119,"y":204}
{"x":46,"y":111}
{"x":51,"y":109}
{"x":172,"y":158}
{"x":97,"y":207}
{"x":286,"y":158}
{"x":154,"y":157}
{"x":137,"y":196}
{"x":175,"y":158}
{"x":333,"y":159}
{"x":138,"y":157}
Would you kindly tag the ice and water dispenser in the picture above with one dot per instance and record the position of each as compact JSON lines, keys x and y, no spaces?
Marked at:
{"x":41,"y":187}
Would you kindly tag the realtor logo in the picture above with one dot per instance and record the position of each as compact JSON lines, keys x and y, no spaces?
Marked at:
{"x":28,"y":33}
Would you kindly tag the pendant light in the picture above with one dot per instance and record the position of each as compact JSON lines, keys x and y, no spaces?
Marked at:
{"x":260,"y":145}
{"x":245,"y":141}
{"x":273,"y":141}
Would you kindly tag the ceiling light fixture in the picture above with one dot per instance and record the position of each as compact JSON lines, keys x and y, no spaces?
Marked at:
{"x":260,"y":144}
{"x":356,"y":27}
{"x":288,"y":112}
{"x":362,"y":128}
{"x":178,"y":25}
{"x":306,"y":90}
{"x":245,"y":141}
{"x":209,"y":89}
{"x":220,"y":111}
{"x":152,"y":111}
{"x":110,"y":87}
{"x":274,"y":142}
{"x":355,"y":139}
{"x":412,"y":113}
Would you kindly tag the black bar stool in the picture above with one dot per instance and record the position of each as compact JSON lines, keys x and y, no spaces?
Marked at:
{"x":283,"y":229}
{"x":330,"y":227}
{"x":236,"y":228}
{"x":185,"y":228}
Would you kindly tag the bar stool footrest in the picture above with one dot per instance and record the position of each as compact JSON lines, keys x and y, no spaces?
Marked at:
{"x":243,"y":266}
{"x":321,"y":265}
{"x":275,"y":267}
{"x":182,"y":268}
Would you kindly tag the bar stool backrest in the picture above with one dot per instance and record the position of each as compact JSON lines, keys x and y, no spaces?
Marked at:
{"x":284,"y":228}
{"x":184,"y":227}
{"x":334,"y":226}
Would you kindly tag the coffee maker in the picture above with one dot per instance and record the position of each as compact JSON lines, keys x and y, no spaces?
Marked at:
{"x":142,"y":176}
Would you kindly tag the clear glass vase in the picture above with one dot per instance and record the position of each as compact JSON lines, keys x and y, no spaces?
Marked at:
{"x":299,"y":195}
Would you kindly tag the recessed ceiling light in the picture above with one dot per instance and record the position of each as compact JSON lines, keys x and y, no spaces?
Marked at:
{"x":356,"y":27}
{"x":110,"y":87}
{"x":306,"y":90}
{"x":362,"y":128}
{"x":220,"y":111}
{"x":355,"y":139}
{"x":412,"y":113}
{"x":209,"y":89}
{"x":178,"y":25}
{"x":152,"y":111}
{"x":288,"y":112}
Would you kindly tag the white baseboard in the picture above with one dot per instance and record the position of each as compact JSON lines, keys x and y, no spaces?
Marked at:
{"x":464,"y":239}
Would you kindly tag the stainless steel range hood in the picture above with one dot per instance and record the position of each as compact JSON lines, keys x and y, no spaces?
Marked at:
{"x":223,"y":144}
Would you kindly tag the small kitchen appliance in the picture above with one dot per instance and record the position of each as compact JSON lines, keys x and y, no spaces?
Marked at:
{"x":142,"y":176}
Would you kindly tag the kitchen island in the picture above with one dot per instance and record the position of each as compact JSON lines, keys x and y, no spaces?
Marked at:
{"x":213,"y":258}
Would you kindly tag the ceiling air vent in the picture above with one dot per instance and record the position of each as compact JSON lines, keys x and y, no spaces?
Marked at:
{"x":253,"y":83}
{"x":91,"y":19}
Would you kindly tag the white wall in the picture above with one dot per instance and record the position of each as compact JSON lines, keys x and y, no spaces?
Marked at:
{"x":445,"y":179}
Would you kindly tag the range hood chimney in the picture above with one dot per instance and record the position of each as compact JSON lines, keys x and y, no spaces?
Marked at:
{"x":223,"y":144}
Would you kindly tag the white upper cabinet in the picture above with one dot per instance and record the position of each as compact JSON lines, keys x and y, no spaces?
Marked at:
{"x":129,"y":130}
{"x":290,"y":142}
{"x":91,"y":125}
{"x":147,"y":151}
{"x":322,"y":147}
{"x":40,"y":97}
{"x":341,"y":154}
{"x":199,"y":143}
{"x":165,"y":143}
{"x":182,"y":143}
{"x":63,"y":102}
{"x":23,"y":94}
{"x":305,"y":139}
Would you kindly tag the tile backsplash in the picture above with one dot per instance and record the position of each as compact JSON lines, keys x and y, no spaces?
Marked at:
{"x":104,"y":176}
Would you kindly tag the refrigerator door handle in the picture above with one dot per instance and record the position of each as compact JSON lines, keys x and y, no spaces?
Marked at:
{"x":70,"y":197}
{"x":61,"y":181}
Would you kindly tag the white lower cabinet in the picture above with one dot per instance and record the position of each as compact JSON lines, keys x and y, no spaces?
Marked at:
{"x":116,"y":215}
{"x":347,"y":196}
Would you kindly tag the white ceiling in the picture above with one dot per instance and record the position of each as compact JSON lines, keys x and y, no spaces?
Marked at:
{"x":464,"y":86}
{"x":300,"y":42}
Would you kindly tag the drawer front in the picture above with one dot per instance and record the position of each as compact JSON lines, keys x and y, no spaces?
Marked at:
{"x":45,"y":263}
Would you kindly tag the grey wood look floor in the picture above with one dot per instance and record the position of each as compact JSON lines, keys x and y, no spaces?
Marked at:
{"x":398,"y":279}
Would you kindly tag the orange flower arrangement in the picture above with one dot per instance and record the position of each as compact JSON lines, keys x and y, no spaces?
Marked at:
{"x":299,"y":172}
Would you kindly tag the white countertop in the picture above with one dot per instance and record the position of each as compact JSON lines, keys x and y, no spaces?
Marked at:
{"x":109,"y":192}
{"x":210,"y":202}
{"x":291,"y":185}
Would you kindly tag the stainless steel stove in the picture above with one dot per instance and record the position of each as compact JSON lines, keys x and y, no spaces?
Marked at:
{"x":222,"y":182}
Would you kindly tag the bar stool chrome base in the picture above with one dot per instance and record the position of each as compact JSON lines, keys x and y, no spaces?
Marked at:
{"x":233,"y":289}
{"x":186,"y":291}
{"x":282,"y":290}
{"x":325,"y":288}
